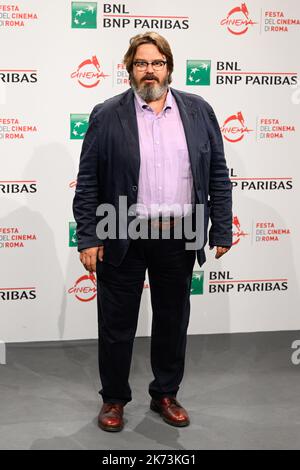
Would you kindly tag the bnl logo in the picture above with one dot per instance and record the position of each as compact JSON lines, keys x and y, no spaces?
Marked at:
{"x":73,"y":241}
{"x":78,"y":125}
{"x":197,"y":283}
{"x":198,"y":72}
{"x":84,"y":15}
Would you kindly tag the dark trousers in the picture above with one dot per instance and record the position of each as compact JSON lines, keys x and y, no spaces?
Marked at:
{"x":119,"y":290}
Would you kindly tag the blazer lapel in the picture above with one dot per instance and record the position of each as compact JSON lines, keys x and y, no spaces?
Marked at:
{"x":188,"y":117}
{"x":127,"y":115}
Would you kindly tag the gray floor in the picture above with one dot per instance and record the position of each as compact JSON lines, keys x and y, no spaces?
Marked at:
{"x":242,"y":392}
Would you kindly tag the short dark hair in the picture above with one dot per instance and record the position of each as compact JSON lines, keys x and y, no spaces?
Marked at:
{"x":149,"y":38}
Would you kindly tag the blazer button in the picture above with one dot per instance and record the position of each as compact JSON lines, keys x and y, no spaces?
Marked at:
{"x":134,"y":188}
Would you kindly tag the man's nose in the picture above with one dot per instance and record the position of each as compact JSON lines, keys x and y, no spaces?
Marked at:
{"x":149,"y":65}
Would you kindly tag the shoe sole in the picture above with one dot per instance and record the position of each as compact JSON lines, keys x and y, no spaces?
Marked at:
{"x":110,"y":428}
{"x":166,"y":420}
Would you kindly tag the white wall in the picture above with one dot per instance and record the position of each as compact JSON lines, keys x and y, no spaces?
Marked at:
{"x":36,"y":280}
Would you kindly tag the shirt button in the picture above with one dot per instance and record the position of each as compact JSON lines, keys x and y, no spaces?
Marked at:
{"x":160,"y":188}
{"x":157,"y":143}
{"x":158,"y":165}
{"x":134,"y":188}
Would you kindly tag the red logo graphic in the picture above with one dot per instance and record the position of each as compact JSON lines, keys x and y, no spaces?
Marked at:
{"x":235,"y":131}
{"x":73,"y":184}
{"x":237,"y":20}
{"x":88,"y":73}
{"x":85,"y":288}
{"x":237,"y":232}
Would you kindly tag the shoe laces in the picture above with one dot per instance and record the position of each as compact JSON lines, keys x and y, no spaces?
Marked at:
{"x":114,"y":407}
{"x":172,"y":401}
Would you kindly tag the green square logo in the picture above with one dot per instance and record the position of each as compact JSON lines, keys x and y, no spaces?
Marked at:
{"x":72,"y":234}
{"x":78,"y":125}
{"x":198,"y":72}
{"x":84,"y":15}
{"x":197,"y":283}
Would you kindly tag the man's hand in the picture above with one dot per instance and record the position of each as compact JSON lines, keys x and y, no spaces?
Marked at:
{"x":88,"y":257}
{"x":220,"y":250}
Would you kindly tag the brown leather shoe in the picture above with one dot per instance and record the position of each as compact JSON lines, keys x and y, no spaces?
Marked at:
{"x":110,"y":417}
{"x":171,"y":411}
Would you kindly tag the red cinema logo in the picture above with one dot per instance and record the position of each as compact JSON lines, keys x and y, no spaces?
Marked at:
{"x":234,"y":128}
{"x":237,"y":232}
{"x":85,"y":288}
{"x":237,"y":20}
{"x":73,"y":184}
{"x":88,"y":73}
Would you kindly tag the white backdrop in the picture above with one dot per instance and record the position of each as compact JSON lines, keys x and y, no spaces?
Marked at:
{"x":243,"y":59}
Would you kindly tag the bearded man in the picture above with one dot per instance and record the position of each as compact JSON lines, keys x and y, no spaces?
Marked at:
{"x":162,"y":150}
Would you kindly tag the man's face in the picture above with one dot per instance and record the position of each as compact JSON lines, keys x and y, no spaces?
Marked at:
{"x":150,"y":84}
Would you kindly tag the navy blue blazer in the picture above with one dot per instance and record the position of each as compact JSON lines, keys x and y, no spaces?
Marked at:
{"x":110,"y":162}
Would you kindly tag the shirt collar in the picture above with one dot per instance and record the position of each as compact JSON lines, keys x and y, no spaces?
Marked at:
{"x":142,"y":105}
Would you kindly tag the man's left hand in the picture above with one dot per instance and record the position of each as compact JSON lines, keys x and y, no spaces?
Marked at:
{"x":220,"y":250}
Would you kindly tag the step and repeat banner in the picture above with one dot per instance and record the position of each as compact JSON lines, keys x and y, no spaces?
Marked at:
{"x":60,"y":58}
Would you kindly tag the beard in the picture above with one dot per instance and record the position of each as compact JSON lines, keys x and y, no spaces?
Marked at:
{"x":149,"y":91}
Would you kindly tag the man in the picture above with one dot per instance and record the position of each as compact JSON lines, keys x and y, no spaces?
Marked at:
{"x":162,"y":149}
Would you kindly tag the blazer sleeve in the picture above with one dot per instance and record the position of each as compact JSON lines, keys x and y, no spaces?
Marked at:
{"x":86,"y":201}
{"x":220,"y":187}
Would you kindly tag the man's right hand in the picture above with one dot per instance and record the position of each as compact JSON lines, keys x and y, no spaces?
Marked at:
{"x":88,"y":257}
